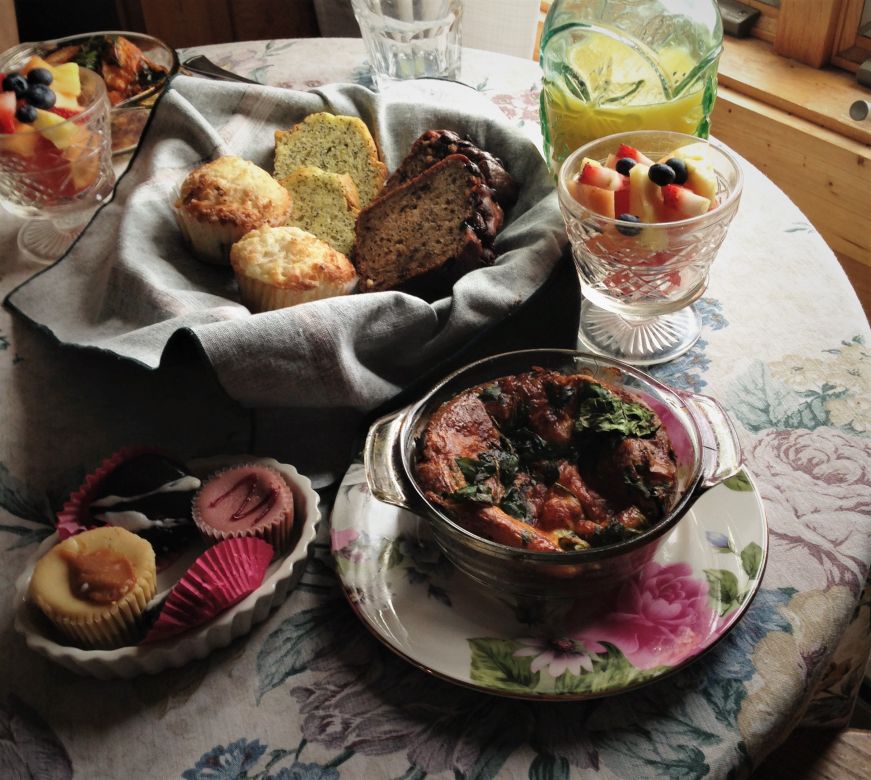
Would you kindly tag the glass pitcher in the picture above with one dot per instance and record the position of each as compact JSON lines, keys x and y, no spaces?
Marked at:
{"x":613,"y":66}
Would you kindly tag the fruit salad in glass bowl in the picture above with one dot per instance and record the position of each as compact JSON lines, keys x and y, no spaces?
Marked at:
{"x":646,"y":213}
{"x":135,"y":67}
{"x":55,"y":150}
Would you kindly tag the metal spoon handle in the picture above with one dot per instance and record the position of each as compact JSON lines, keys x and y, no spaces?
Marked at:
{"x":203,"y":66}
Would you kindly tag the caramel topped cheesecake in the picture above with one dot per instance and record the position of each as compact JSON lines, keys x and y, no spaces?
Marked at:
{"x":94,"y":586}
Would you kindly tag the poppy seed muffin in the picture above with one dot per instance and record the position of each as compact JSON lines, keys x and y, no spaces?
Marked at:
{"x":325,"y":204}
{"x":221,"y":201}
{"x":341,"y":144}
{"x":278,"y":267}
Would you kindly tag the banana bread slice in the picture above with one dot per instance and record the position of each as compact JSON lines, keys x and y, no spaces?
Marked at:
{"x":425,"y":234}
{"x":435,"y":145}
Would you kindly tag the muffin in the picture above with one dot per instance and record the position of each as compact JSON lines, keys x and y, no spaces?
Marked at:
{"x":219,"y":202}
{"x":325,"y":204}
{"x":283,"y":266}
{"x":245,"y":500}
{"x":94,"y":586}
{"x":337,"y":143}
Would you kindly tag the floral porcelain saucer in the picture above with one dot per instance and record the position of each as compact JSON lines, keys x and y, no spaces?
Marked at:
{"x":701,"y":580}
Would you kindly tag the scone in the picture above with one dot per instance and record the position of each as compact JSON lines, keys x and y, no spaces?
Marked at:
{"x":221,"y":201}
{"x":341,"y":144}
{"x":422,"y":236}
{"x":94,"y":586}
{"x":325,"y":204}
{"x":283,"y":266}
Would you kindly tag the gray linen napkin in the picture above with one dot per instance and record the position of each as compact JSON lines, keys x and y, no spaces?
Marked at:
{"x":129,"y":285}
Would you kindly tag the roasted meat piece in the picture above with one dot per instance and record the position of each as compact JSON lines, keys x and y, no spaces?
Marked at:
{"x":547,"y":461}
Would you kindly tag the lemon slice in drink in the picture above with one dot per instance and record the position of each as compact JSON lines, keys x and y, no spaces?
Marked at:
{"x":619,"y":73}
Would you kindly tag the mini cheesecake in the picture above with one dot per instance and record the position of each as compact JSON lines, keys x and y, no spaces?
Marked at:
{"x":95,"y":585}
{"x":245,"y":500}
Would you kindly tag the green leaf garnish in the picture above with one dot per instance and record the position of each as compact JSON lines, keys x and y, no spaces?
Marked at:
{"x":476,"y":493}
{"x":602,"y":411}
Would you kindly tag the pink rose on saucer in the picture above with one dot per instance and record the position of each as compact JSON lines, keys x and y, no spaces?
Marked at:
{"x":658,"y":618}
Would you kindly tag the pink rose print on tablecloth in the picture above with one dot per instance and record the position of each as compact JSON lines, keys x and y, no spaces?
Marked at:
{"x":816,"y":486}
{"x":521,"y":106}
{"x":658,"y":618}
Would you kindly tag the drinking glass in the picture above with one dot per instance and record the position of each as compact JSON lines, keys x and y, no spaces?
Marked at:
{"x":639,"y":280}
{"x":58,"y":175}
{"x":408,"y":39}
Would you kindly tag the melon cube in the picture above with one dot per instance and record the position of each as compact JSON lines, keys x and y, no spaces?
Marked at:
{"x":645,"y":197}
{"x":701,"y":172}
{"x":57,"y":129}
{"x":66,"y":79}
{"x":597,"y":199}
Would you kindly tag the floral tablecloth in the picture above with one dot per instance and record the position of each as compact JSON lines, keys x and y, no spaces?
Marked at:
{"x":310,"y":694}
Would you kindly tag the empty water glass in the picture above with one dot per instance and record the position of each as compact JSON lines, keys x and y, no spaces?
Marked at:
{"x":409,"y":39}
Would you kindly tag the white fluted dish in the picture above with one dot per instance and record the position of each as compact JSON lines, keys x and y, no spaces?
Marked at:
{"x":131,"y":661}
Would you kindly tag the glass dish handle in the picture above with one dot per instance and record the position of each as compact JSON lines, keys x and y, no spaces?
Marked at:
{"x":381,"y":460}
{"x":721,"y":450}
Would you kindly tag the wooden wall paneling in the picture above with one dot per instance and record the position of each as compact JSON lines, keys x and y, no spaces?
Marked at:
{"x":846,"y":53}
{"x":826,"y":175}
{"x":8,"y":25}
{"x":130,"y":16}
{"x":257,"y":20}
{"x":822,"y":96}
{"x":188,"y":22}
{"x":766,"y":25}
{"x":806,"y":31}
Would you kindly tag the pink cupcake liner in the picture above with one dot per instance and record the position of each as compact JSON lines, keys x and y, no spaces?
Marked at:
{"x":278,"y":532}
{"x":72,"y":518}
{"x":221,"y":577}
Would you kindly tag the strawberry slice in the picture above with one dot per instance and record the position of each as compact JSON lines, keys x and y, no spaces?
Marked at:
{"x":7,"y":112}
{"x":624,"y":150}
{"x":683,"y":202}
{"x":66,"y":113}
{"x":597,"y":175}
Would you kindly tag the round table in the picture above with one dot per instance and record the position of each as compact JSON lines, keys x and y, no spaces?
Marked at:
{"x":310,"y":694}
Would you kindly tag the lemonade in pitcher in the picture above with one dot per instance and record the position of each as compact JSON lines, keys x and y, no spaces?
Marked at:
{"x":611,"y":66}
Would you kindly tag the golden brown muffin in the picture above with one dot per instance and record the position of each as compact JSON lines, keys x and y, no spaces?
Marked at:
{"x":341,"y":144}
{"x":283,"y":266}
{"x":221,"y":201}
{"x":94,"y":586}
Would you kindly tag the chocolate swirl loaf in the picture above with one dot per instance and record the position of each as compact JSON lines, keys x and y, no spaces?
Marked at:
{"x":435,"y":145}
{"x":423,"y":235}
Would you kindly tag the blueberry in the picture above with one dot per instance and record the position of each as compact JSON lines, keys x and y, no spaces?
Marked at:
{"x":40,"y":76}
{"x":628,"y":230}
{"x":16,"y":83}
{"x":661,"y":174}
{"x":40,"y":96}
{"x":624,"y":165}
{"x":680,"y":169}
{"x":25,"y":113}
